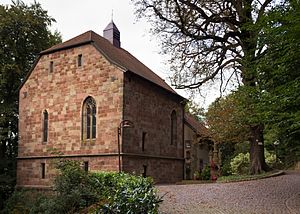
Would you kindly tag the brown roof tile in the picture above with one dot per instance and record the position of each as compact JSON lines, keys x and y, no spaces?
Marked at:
{"x":117,"y":56}
{"x":198,"y":126}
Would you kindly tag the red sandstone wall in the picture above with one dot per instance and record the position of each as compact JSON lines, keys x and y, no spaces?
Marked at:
{"x":30,"y":172}
{"x":149,"y":108}
{"x":62,"y":93}
{"x":161,"y":170}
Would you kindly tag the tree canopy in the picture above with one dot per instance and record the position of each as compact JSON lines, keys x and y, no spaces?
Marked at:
{"x":226,"y":123}
{"x":279,"y":77}
{"x":24,"y":33}
{"x":275,"y":101}
{"x":226,"y":41}
{"x":206,"y":39}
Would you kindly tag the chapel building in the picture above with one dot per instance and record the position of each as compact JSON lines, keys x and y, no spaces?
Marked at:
{"x":87,"y":99}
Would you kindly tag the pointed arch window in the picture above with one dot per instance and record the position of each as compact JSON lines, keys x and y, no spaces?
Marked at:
{"x":89,"y":120}
{"x":45,"y":126}
{"x":173,"y":128}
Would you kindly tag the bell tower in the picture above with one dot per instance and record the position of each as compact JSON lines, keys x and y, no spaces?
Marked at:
{"x":112,"y":34}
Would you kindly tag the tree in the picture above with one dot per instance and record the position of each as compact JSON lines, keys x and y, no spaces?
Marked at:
{"x":195,"y":110}
{"x":275,"y":101}
{"x":280,"y":78}
{"x":226,"y":123}
{"x":213,"y":39}
{"x":229,"y":119}
{"x":24,"y":32}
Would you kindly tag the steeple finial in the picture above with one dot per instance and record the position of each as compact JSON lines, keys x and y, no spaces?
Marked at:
{"x":112,"y":15}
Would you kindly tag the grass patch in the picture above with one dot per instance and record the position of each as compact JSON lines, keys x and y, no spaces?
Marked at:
{"x":236,"y":178}
{"x":184,"y":182}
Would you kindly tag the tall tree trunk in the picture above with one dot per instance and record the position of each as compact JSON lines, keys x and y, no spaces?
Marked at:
{"x":257,"y":154}
{"x":2,"y":150}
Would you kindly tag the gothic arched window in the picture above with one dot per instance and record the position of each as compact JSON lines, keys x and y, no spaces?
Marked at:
{"x":89,"y":119}
{"x":173,"y":128}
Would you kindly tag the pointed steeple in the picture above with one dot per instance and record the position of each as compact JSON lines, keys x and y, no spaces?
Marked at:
{"x":112,"y":34}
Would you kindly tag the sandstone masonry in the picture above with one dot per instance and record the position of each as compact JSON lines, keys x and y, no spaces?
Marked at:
{"x":122,"y":88}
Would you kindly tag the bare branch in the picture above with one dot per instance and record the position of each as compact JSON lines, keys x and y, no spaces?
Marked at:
{"x":262,"y":9}
{"x":207,"y":38}
{"x":208,"y":78}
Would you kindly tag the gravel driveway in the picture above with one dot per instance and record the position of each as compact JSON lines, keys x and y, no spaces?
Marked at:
{"x":272,"y":195}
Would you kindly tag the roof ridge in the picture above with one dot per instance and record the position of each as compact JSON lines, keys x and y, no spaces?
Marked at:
{"x":143,"y":64}
{"x":93,"y":33}
{"x":189,"y":116}
{"x":198,"y":126}
{"x":58,"y":46}
{"x":122,"y":50}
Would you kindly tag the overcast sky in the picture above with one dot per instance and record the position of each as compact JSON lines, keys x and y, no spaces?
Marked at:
{"x":74,"y":17}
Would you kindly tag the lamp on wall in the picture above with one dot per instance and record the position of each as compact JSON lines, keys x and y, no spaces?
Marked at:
{"x":123,"y":124}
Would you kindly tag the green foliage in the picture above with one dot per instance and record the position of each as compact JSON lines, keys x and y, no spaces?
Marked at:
{"x":264,"y":51}
{"x":205,"y":174}
{"x":270,"y":159}
{"x":227,"y":150}
{"x":74,"y":188}
{"x":23,"y":201}
{"x":242,"y":147}
{"x":24,"y":32}
{"x":225,"y":111}
{"x":128,"y":194}
{"x":7,"y":178}
{"x":240,"y":164}
{"x":280,"y":79}
{"x":226,"y":169}
{"x":79,"y":191}
{"x":235,"y":178}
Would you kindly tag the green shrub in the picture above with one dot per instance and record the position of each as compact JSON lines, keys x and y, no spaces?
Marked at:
{"x":270,"y":158}
{"x":226,"y":169}
{"x":205,"y":174}
{"x":240,"y":164}
{"x":17,"y":203}
{"x":7,"y":179}
{"x":23,"y":201}
{"x":73,"y":188}
{"x":128,"y":194}
{"x":76,"y":191}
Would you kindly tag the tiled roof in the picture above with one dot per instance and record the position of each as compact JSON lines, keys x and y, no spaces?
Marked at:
{"x":196,"y":125}
{"x":115,"y":55}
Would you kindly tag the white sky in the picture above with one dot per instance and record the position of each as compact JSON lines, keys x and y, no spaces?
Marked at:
{"x":74,"y":17}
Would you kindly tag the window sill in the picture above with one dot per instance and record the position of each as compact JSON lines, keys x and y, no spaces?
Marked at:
{"x":88,"y":142}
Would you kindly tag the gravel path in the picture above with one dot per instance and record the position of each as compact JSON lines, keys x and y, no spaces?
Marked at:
{"x":272,"y":195}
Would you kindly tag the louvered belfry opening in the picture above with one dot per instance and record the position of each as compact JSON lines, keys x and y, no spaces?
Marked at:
{"x":112,"y":34}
